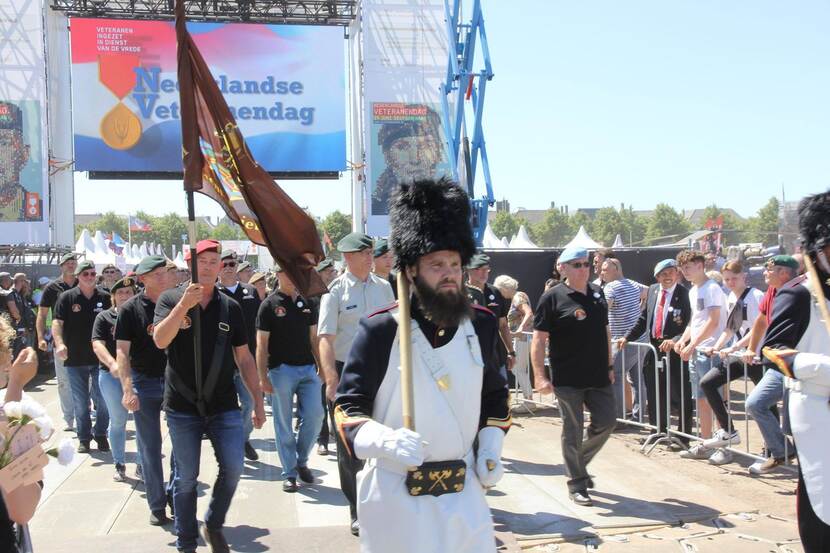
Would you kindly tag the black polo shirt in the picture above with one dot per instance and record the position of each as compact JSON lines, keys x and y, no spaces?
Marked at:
{"x":53,"y":291}
{"x":576,"y":324}
{"x":78,"y":315}
{"x":104,"y":330}
{"x":288,"y":321}
{"x":180,"y":353}
{"x":135,"y":325}
{"x":248,"y":299}
{"x":491,"y":298}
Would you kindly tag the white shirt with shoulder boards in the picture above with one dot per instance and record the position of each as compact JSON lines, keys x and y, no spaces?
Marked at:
{"x":623,"y":297}
{"x":348,"y":300}
{"x":752,"y":301}
{"x":704,"y":298}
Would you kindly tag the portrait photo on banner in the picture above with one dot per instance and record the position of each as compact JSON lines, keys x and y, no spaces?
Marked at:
{"x":21,"y":172}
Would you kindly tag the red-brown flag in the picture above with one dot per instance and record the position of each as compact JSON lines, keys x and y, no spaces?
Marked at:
{"x":217,"y":163}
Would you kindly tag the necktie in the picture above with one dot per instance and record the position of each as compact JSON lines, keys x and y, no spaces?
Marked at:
{"x":658,"y":324}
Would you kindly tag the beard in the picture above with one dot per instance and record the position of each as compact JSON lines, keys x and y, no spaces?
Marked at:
{"x":445,"y":309}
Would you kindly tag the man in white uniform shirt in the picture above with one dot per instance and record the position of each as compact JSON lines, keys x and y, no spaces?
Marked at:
{"x":353,"y":295}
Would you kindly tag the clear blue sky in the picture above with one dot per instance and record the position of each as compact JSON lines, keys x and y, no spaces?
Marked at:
{"x":602,"y":102}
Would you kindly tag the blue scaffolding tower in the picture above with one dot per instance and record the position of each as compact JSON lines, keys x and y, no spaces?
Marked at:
{"x":467,"y":84}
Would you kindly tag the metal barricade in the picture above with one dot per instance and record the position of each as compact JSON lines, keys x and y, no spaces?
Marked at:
{"x":649,"y":348}
{"x":523,"y":381}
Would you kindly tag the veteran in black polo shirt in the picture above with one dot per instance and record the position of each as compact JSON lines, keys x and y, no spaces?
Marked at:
{"x":208,"y":406}
{"x":141,"y":370}
{"x":72,"y":324}
{"x":287,"y":332}
{"x":248,"y":298}
{"x":573,"y":316}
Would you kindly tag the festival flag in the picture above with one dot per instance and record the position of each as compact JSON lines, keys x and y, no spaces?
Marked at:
{"x":139,"y":225}
{"x":217,"y":163}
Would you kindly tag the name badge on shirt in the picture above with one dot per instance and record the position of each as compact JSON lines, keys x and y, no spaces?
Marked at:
{"x":280,"y":311}
{"x":580,"y":315}
{"x":348,"y":307}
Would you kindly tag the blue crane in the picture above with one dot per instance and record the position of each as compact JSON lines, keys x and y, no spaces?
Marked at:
{"x":466,"y":83}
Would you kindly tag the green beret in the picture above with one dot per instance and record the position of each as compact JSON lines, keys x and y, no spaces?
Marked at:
{"x":84,"y":266}
{"x":150,"y":263}
{"x":381,"y":247}
{"x":479,"y":260}
{"x":324,"y":264}
{"x":354,"y":242}
{"x":242,"y":266}
{"x":784,"y":261}
{"x":68,"y":257}
{"x":126,"y":282}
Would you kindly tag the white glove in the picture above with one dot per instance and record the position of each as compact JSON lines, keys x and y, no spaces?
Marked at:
{"x":490,"y":441}
{"x":377,"y":440}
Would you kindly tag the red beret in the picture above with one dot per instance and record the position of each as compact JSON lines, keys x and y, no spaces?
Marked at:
{"x":203,"y":246}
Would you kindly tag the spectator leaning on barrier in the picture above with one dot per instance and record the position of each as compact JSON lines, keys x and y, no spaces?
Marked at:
{"x":664,"y":319}
{"x":573,"y":317}
{"x":742,"y":310}
{"x":624,"y":300}
{"x":781,"y":274}
{"x":708,"y":321}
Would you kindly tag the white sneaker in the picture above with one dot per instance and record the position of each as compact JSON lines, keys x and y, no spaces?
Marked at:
{"x":697,"y":451}
{"x":720,"y":457}
{"x":723,"y":438}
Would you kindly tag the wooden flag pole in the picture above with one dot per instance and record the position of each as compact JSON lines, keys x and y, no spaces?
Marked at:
{"x":196,"y":320}
{"x":405,"y":341}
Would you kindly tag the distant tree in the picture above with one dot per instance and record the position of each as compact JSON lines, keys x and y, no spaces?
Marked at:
{"x":504,"y":225}
{"x":107,"y":224}
{"x":581,"y":219}
{"x":666,"y":225}
{"x":764,"y":226}
{"x":732,"y":226}
{"x":168,"y":230}
{"x":336,"y":225}
{"x":635,"y":227}
{"x":553,"y":230}
{"x":607,"y":224}
{"x":225,"y":231}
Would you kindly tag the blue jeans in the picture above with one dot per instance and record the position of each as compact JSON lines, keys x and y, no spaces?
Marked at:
{"x":111,"y":392}
{"x":225,"y":433}
{"x":64,"y":392}
{"x":302,"y":380}
{"x":768,"y":391}
{"x":699,"y":366}
{"x":150,"y":392}
{"x":246,"y":402}
{"x":80,"y":378}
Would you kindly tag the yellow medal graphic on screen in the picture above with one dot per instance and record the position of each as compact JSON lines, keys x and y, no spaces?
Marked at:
{"x":120,"y":127}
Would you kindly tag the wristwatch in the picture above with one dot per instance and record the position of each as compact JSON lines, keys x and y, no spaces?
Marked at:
{"x":511,"y":354}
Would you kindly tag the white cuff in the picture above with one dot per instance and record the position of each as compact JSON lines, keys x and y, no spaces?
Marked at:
{"x":814,"y":367}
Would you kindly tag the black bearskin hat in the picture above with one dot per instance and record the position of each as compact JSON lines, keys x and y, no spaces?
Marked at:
{"x":427,"y":216}
{"x":814,"y":221}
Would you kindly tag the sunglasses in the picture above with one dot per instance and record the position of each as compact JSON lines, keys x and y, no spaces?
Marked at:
{"x":109,"y":272}
{"x":88,"y":273}
{"x":580,"y":265}
{"x":229,"y":264}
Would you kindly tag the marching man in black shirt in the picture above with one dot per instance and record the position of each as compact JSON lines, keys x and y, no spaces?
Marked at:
{"x":141,"y":370}
{"x":74,"y":317}
{"x":486,"y":295}
{"x":48,"y":300}
{"x":287,"y":336}
{"x":460,"y":395}
{"x":209,"y":407}
{"x":573,"y":315}
{"x":248,"y":299}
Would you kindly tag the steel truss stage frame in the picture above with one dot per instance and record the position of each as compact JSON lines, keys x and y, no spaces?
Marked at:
{"x":306,"y":12}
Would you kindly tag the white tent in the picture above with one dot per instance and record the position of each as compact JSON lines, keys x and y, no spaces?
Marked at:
{"x":85,"y":244}
{"x":504,"y":242}
{"x":490,"y":240}
{"x":618,"y":243}
{"x":583,"y":240}
{"x":179,"y":261}
{"x":143,"y":250}
{"x":522,"y":241}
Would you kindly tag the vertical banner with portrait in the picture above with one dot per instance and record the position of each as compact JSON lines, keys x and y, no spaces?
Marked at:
{"x":405,"y":63}
{"x":23,"y":161}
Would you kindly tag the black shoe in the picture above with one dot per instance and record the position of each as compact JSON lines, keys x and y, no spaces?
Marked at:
{"x":322,"y":449}
{"x":120,"y":473}
{"x":250,"y":452}
{"x":289,"y":485}
{"x":589,"y":483}
{"x":355,"y":527}
{"x":159,"y":518}
{"x":215,"y":540}
{"x":139,"y":473}
{"x":83,"y":447}
{"x":102,"y":443}
{"x":581,"y":498}
{"x":305,"y":475}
